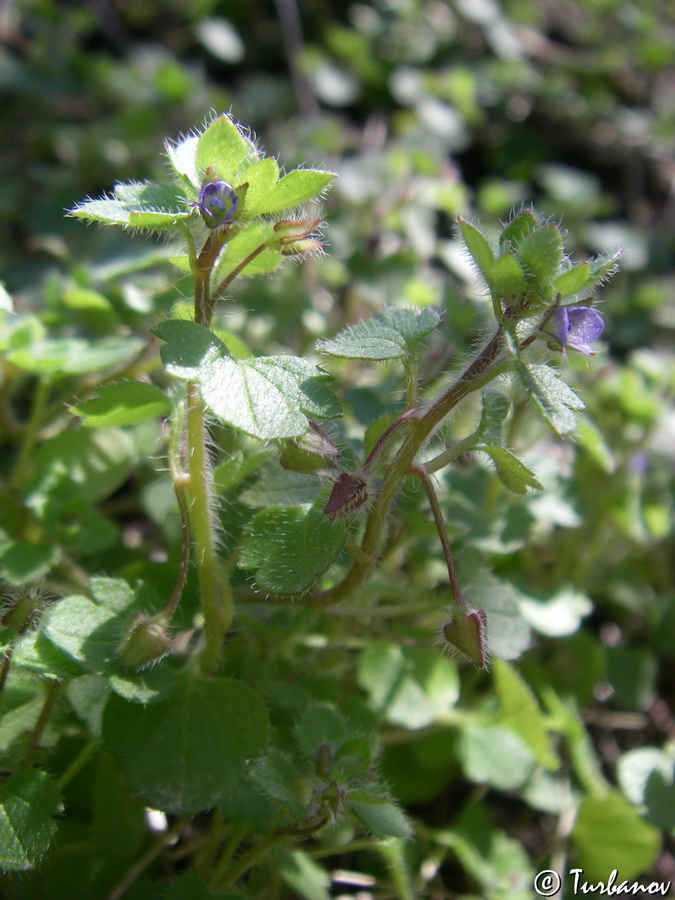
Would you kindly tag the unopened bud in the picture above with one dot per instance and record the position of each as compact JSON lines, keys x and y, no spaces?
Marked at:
{"x":466,"y":636}
{"x":146,"y":643}
{"x":349,"y":492}
{"x":313,"y":452}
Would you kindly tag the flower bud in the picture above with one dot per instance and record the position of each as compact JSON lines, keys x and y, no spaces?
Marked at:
{"x":466,"y":636}
{"x":288,"y":231}
{"x":145,"y":643}
{"x":349,"y":492}
{"x":218,"y":200}
{"x":313,"y":452}
{"x":23,"y":607}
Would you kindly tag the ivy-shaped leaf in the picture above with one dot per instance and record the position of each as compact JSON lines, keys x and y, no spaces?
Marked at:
{"x":28,"y":802}
{"x":513,"y":473}
{"x":291,"y":546}
{"x":224,"y":147}
{"x":212,"y":727}
{"x":266,"y":397}
{"x":393,"y":335}
{"x":137,"y":204}
{"x":556,"y":402}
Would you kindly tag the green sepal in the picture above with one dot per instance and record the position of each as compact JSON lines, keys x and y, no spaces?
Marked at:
{"x":506,"y":278}
{"x":573,"y":280}
{"x":478,"y":247}
{"x":518,"y":228}
{"x":540,"y":254}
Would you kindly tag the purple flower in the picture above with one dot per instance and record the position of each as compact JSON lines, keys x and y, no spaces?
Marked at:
{"x":217,"y":203}
{"x":577,"y":327}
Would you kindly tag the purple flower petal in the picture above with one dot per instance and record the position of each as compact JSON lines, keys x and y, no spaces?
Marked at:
{"x":217,"y":203}
{"x":559,"y":324}
{"x":585,"y":326}
{"x":576,"y":327}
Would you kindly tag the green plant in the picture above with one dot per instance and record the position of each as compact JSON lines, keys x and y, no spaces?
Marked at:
{"x":229,"y":700}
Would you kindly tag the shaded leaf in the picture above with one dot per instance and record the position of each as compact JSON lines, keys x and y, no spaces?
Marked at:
{"x":513,"y":473}
{"x":609,"y":834}
{"x":122,"y":404}
{"x":211,"y":726}
{"x":290,"y":547}
{"x":393,"y":335}
{"x":28,"y":802}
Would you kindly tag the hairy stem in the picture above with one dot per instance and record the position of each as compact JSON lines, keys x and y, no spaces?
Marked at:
{"x":422,"y":473}
{"x":31,"y":434}
{"x":482,"y":370}
{"x":215,"y":600}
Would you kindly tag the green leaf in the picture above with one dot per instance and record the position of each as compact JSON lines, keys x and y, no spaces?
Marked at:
{"x":224,"y":148}
{"x":82,"y":465}
{"x":266,"y":397}
{"x":74,"y":356}
{"x":573,"y":280}
{"x":495,"y":755}
{"x":508,"y":632}
{"x":521,"y":713}
{"x":393,"y":335}
{"x":28,"y":803}
{"x":86,"y":632}
{"x":302,"y":874}
{"x":243,"y":245}
{"x":296,"y":188}
{"x":506,"y":278}
{"x":647,"y":778}
{"x":518,"y":228}
{"x":92,"y":308}
{"x":182,"y":157}
{"x":319,"y":725}
{"x":36,"y":653}
{"x":478,"y":247}
{"x":603,"y":267}
{"x":262,"y":178}
{"x":122,"y":404}
{"x":188,"y":753}
{"x":409,"y":686}
{"x":382,"y":817}
{"x":610,"y":834}
{"x":23,"y":563}
{"x":291,"y":546}
{"x":513,"y":473}
{"x":556,"y":402}
{"x":280,"y":487}
{"x":593,"y":442}
{"x":137,"y":205}
{"x":276,"y":775}
{"x":496,"y":408}
{"x":540,"y":254}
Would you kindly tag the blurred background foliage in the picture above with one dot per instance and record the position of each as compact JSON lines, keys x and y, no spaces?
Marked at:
{"x":426,"y":110}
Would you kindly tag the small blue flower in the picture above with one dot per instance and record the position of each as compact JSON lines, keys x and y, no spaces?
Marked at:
{"x":577,"y":327}
{"x":217,"y":203}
